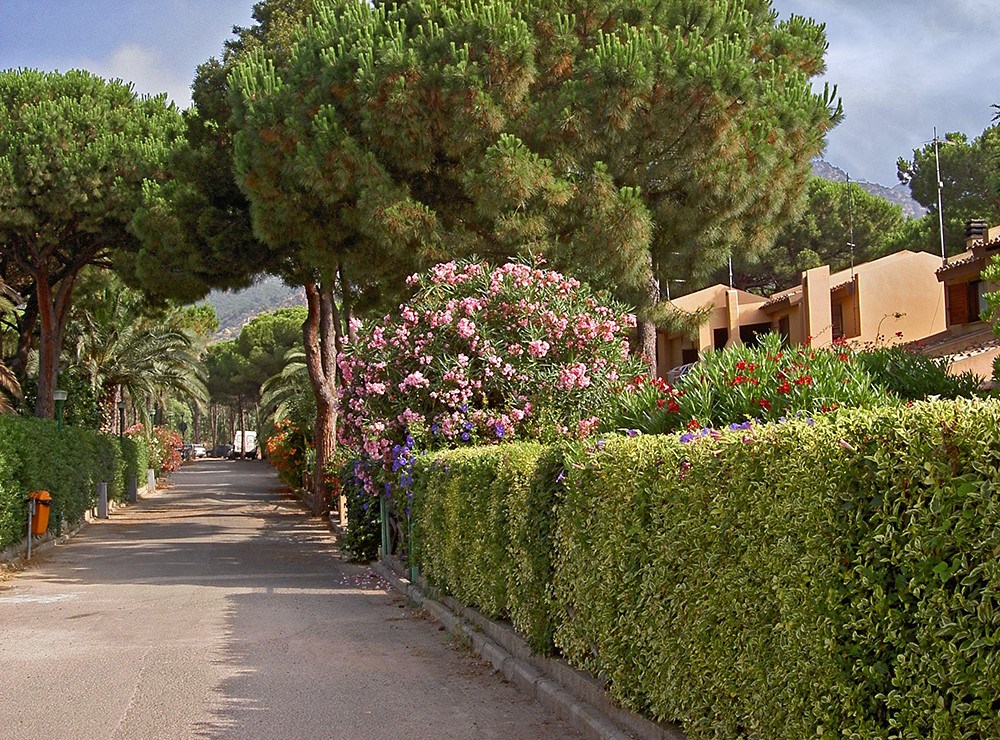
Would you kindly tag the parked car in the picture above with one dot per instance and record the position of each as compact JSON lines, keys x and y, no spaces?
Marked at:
{"x":251,"y":445}
{"x":198,"y":451}
{"x":222,"y":451}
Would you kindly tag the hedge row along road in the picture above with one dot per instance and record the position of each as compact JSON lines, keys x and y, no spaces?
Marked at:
{"x":217,"y":608}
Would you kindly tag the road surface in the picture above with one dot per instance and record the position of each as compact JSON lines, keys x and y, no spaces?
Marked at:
{"x":217,"y":608}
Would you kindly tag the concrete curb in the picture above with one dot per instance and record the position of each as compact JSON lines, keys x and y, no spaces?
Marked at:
{"x":573,"y":696}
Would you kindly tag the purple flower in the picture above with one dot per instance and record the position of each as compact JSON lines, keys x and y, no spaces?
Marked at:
{"x":632,"y":432}
{"x":499,"y":430}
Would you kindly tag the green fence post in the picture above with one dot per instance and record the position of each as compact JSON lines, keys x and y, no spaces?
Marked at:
{"x":384,"y":516}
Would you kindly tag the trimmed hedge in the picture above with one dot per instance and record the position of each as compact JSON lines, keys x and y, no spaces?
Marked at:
{"x":785,"y":581}
{"x":34,"y":455}
{"x":481,"y":525}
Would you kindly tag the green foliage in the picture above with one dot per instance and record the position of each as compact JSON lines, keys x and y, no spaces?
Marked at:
{"x":68,"y":464}
{"x":821,"y":236}
{"x":907,"y":373}
{"x":603,"y":139}
{"x":481,"y":531}
{"x":970,"y":172}
{"x":798,"y":580}
{"x":364,"y":531}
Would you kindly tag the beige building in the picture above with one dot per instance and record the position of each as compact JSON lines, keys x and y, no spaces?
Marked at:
{"x":967,"y":341}
{"x":897,"y":298}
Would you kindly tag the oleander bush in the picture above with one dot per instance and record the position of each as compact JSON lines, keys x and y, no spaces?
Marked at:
{"x":837,"y":576}
{"x":35,"y":455}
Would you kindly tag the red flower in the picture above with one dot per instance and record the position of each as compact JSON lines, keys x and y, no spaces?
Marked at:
{"x":804,"y":380}
{"x":661,"y":402}
{"x":764,"y":404}
{"x":785,"y":387}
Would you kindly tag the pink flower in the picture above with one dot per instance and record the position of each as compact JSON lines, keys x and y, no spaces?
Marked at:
{"x":538,"y":348}
{"x":466,"y":329}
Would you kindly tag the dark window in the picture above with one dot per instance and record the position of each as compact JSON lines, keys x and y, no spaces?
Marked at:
{"x":720,"y":337}
{"x":838,"y":320}
{"x":751,"y":333}
{"x":688,"y":356}
{"x":784,"y":327}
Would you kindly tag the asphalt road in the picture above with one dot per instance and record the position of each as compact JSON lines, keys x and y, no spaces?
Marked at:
{"x":217,"y":608}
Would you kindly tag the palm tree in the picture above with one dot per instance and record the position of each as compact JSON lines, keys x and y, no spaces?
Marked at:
{"x":9,"y":387}
{"x":123,"y":351}
{"x":288,"y":395}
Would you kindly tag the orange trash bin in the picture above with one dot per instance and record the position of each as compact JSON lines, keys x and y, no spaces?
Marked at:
{"x":43,"y":502}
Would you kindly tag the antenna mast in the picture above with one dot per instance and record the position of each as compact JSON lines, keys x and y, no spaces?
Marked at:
{"x":850,"y":220}
{"x":940,"y":187}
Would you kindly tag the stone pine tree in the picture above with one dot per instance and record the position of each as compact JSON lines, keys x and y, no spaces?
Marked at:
{"x":970,"y":173}
{"x":75,"y":154}
{"x":835,"y":216}
{"x":628,"y":143}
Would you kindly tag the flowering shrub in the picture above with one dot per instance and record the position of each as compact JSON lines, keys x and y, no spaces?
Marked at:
{"x":287,"y":452}
{"x":482,"y":356}
{"x":768,"y":382}
{"x":164,"y":447}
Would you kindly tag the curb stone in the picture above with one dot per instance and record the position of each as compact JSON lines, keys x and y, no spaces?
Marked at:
{"x":567,"y":693}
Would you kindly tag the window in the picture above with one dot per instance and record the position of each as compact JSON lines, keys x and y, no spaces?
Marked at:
{"x":966,"y":301}
{"x":720,"y":337}
{"x":751,"y":333}
{"x":837,"y":312}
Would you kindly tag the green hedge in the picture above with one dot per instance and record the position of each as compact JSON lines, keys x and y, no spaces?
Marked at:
{"x":783,"y":581}
{"x":34,"y":455}
{"x":481,"y":527}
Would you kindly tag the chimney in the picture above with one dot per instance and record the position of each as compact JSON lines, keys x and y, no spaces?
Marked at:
{"x":976,"y":230}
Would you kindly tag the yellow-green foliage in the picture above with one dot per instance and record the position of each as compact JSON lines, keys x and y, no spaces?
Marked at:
{"x":68,"y":464}
{"x":792,"y":579}
{"x":482,"y":531}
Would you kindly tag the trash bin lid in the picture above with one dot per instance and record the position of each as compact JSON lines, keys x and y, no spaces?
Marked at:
{"x":40,"y":495}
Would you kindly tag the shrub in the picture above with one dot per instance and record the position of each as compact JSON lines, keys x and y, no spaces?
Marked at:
{"x":481,"y":531}
{"x":35,"y":455}
{"x":484,"y":355}
{"x":287,"y":450}
{"x":364,"y":519}
{"x":779,"y":580}
{"x":911,"y":375}
{"x":765,"y":382}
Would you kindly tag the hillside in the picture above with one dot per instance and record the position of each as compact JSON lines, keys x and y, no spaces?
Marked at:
{"x":900,"y":194}
{"x":236,"y":308}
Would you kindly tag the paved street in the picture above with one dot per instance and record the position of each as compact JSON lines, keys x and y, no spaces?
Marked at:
{"x":217,"y":608}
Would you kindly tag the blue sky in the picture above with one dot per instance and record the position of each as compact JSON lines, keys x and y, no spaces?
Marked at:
{"x":902,"y":66}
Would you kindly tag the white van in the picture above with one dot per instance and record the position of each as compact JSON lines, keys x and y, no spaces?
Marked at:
{"x":251,"y":442}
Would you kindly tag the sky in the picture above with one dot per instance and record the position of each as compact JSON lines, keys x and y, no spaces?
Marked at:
{"x":902,"y":67}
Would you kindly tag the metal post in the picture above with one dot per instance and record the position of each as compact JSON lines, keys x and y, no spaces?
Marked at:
{"x":411,"y":550}
{"x":133,"y":489}
{"x":31,"y":513}
{"x":150,"y":480}
{"x":384,"y":516}
{"x":102,"y":500}
{"x":940,"y":187}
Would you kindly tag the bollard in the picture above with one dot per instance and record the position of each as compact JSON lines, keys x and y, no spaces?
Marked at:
{"x":133,"y":490}
{"x":102,"y":500}
{"x":150,"y":480}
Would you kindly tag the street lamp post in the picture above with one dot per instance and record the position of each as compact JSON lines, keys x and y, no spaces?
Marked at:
{"x":121,"y":417}
{"x":59,"y":396}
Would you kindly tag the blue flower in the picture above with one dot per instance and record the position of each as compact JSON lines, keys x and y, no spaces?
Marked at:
{"x":388,"y":490}
{"x":499,"y":430}
{"x":435,"y":429}
{"x":632,"y":432}
{"x":465,"y":436}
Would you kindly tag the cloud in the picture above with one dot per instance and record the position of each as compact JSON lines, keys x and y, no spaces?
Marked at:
{"x":148,"y":70}
{"x":904,"y":68}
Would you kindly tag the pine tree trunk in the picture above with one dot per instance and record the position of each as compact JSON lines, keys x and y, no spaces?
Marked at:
{"x":319,"y":337}
{"x":53,"y":313}
{"x":646,"y":330}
